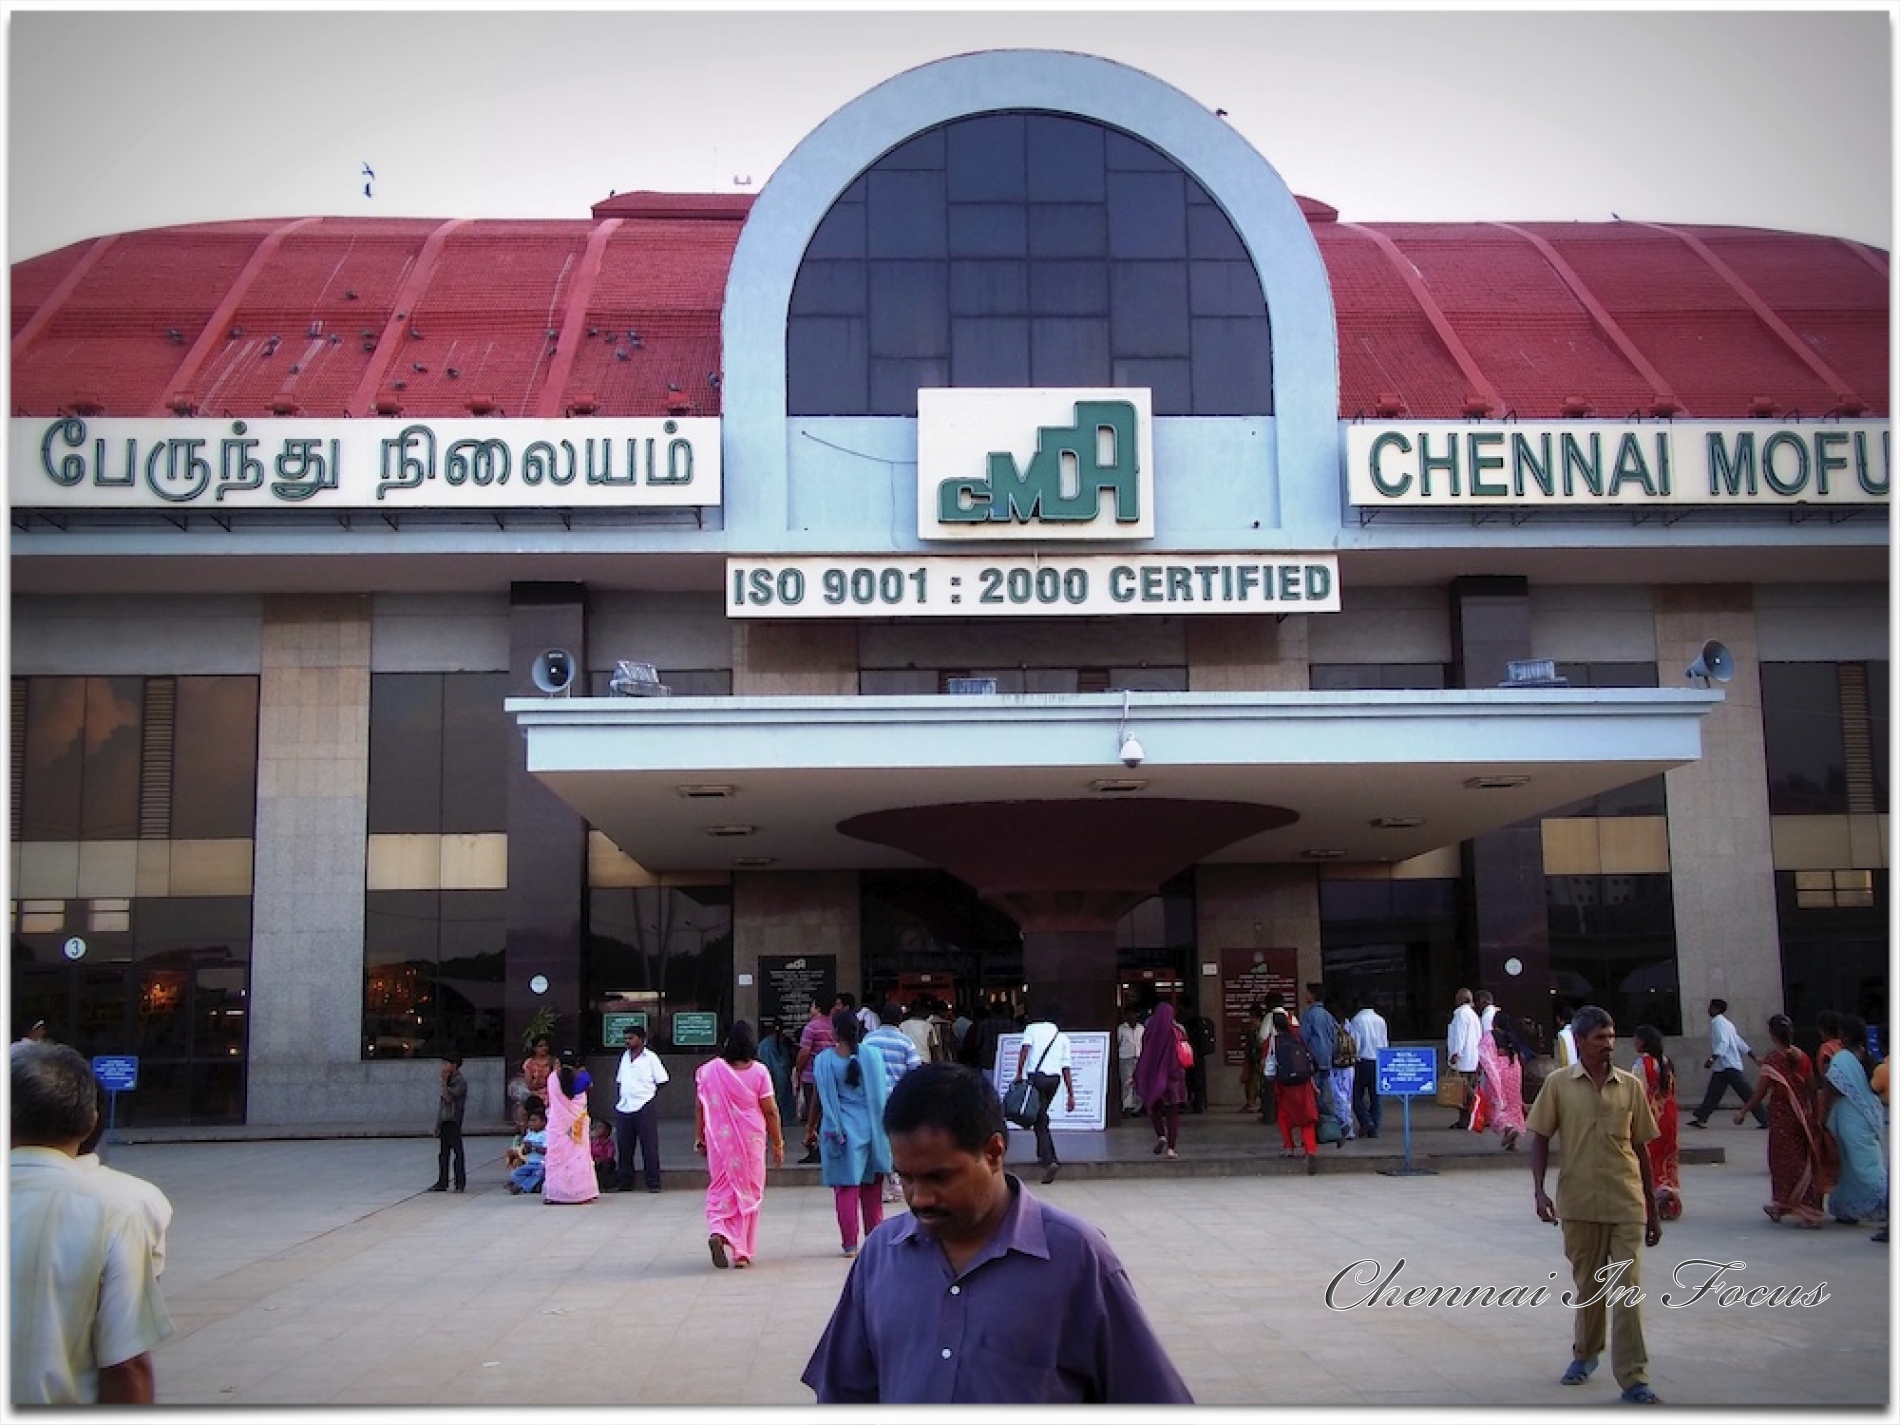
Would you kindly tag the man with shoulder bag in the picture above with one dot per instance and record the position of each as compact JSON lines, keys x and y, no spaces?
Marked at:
{"x":1049,"y":1047}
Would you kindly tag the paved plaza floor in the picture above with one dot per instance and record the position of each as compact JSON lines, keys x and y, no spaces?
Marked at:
{"x":321,"y":1273}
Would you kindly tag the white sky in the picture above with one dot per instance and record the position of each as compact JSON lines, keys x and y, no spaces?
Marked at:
{"x":120,"y":120}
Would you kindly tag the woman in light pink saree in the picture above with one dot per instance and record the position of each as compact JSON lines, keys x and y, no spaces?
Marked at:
{"x":570,"y":1159}
{"x":735,"y":1115}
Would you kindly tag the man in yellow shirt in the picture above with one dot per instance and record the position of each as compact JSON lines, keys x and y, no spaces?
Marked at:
{"x":1606,"y":1199}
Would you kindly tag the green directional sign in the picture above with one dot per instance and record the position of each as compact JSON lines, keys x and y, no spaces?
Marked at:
{"x":695,"y":1029}
{"x":614,"y":1026}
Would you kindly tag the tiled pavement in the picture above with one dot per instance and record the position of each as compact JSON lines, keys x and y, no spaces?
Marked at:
{"x":320,"y":1273}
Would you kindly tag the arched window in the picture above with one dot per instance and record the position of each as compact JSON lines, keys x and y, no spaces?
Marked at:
{"x":1026,"y":249}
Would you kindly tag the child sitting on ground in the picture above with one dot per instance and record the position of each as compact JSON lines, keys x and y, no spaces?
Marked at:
{"x":601,"y":1145}
{"x":534,"y":1146}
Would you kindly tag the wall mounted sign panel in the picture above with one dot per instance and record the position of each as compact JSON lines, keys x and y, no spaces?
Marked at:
{"x":386,"y":465}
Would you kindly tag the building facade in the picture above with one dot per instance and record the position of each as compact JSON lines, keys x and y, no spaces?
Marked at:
{"x":1077,"y":568}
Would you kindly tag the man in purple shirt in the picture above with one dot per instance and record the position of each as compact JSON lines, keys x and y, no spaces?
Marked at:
{"x":816,"y":1038}
{"x":982,"y":1294}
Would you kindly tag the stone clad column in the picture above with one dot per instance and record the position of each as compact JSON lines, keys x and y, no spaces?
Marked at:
{"x":306,"y":1001}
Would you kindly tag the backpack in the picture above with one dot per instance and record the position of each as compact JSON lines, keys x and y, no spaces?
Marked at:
{"x":1292,"y":1060}
{"x":1345,"y":1048}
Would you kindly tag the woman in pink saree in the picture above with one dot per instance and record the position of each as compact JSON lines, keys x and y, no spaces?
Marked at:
{"x":735,"y":1114}
{"x":570,"y":1158}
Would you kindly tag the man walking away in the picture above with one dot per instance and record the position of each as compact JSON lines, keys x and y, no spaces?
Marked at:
{"x":1461,"y":1050}
{"x":1369,"y":1037}
{"x":1606,"y":1200}
{"x":1726,"y":1051}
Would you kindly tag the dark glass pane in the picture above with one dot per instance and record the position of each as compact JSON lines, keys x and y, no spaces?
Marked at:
{"x":667,"y":947}
{"x":1835,"y":957}
{"x":988,"y":230}
{"x":1068,"y":230}
{"x":834,"y":289}
{"x":926,"y":150}
{"x":986,"y":159}
{"x":1878,"y":701}
{"x":989,"y":351}
{"x":52,"y":768}
{"x":1069,"y":351}
{"x":908,"y":215}
{"x":102,"y":1008}
{"x":474,"y":933}
{"x":163,"y":1012}
{"x":109,"y":807}
{"x":876,"y":682}
{"x":1151,"y":309}
{"x":214,"y":761}
{"x":400,"y":939}
{"x":1225,"y":289}
{"x":1380,"y":939}
{"x":842,"y":233}
{"x":1147,"y":215}
{"x":221,"y":1011}
{"x":1169,"y":387}
{"x":1233,"y":368}
{"x":217,"y":1091}
{"x":895,"y":381}
{"x":910,"y":314}
{"x":1126,"y":153}
{"x":1212,"y":235}
{"x":1613,"y":943}
{"x":478,"y":744}
{"x":1069,"y":289}
{"x":827,"y":367}
{"x":1066,"y":160}
{"x":405,"y":753}
{"x":1801,"y":727}
{"x":989,"y":289}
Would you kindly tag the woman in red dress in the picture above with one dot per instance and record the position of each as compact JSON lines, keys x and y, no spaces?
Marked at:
{"x":1659,"y":1076}
{"x":1794,"y":1145}
{"x":1296,"y":1106}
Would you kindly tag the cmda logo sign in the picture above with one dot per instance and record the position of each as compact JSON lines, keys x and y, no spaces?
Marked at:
{"x":1035,"y":464}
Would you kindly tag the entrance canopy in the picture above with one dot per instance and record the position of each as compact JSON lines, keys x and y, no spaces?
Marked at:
{"x":794,"y":783}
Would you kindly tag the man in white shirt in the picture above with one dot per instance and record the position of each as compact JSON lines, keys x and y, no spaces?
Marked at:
{"x":636,"y":1115}
{"x":1461,"y":1049}
{"x":1727,"y":1048}
{"x":1367,"y":1028}
{"x":85,"y":1311}
{"x":1128,"y":1035}
{"x":1043,"y":1058}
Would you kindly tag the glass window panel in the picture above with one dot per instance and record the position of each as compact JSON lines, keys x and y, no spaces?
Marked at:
{"x":405,"y":753}
{"x":1801,"y":727}
{"x":895,"y":381}
{"x":1066,"y":160}
{"x":109,"y":792}
{"x":400,"y":939}
{"x":986,"y":159}
{"x":830,"y":289}
{"x":1878,"y":700}
{"x":907,"y":215}
{"x":1233,"y":368}
{"x":1151,"y":309}
{"x":1613,"y":943}
{"x":876,"y":682}
{"x":1126,"y":153}
{"x":1147,"y":215}
{"x":827,"y":363}
{"x":1068,"y":230}
{"x":842,"y":233}
{"x":220,"y":1011}
{"x":214,"y":760}
{"x":52,"y":769}
{"x":1069,"y":351}
{"x":478,"y":745}
{"x":1211,"y":234}
{"x":988,"y":230}
{"x":1069,"y":289}
{"x":473,"y":934}
{"x":926,"y":150}
{"x":1225,"y":289}
{"x":989,"y":289}
{"x":989,"y":351}
{"x":1170,"y":391}
{"x":910,"y":313}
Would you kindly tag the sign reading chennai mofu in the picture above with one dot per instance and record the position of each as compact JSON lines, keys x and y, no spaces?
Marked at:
{"x":1039,"y":463}
{"x":389,"y":465}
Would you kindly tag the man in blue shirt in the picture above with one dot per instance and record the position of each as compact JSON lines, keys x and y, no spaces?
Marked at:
{"x":982,"y":1294}
{"x":1319,"y":1029}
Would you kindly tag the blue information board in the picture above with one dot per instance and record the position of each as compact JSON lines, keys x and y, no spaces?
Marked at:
{"x":116,"y":1072}
{"x":1408,"y":1072}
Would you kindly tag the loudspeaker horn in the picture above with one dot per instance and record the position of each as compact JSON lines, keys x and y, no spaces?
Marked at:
{"x":553,"y":672}
{"x":1713,"y":663}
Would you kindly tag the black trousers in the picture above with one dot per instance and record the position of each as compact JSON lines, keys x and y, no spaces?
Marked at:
{"x":451,"y":1138}
{"x":1365,"y":1095}
{"x":1047,"y":1087}
{"x":639,"y":1129}
{"x":1721,"y":1080}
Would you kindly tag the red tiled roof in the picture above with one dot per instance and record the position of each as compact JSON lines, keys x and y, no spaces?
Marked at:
{"x":535,"y":317}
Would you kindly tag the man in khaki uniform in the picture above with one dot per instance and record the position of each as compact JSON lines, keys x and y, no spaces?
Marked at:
{"x":1604,"y":1192}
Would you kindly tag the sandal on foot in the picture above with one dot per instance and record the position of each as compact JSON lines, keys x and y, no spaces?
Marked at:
{"x":1641,"y":1394}
{"x":1579,"y":1370}
{"x":1161,"y":1146}
{"x":718,"y":1246}
{"x":741,"y":1263}
{"x":1172,"y":1155}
